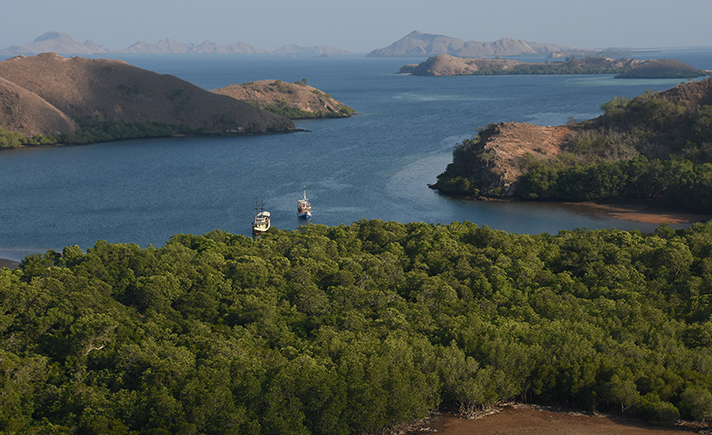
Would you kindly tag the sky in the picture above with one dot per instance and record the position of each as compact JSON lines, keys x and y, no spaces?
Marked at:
{"x":360,"y":26}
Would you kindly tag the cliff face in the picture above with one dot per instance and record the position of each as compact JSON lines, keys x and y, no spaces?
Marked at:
{"x":299,"y":99}
{"x":105,"y":89}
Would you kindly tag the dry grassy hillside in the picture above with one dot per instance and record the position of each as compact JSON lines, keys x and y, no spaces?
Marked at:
{"x":446,"y":65}
{"x":114,"y":90}
{"x":26,"y":113}
{"x":652,"y":127}
{"x":295,"y":100}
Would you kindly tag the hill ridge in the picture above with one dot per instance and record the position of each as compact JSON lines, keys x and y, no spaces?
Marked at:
{"x":113,"y":90}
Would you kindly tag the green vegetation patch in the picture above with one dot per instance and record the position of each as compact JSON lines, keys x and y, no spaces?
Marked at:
{"x":10,"y":139}
{"x":353,"y":329}
{"x":287,"y":110}
{"x":93,"y":130}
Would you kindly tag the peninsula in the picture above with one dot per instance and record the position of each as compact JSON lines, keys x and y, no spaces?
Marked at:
{"x":52,"y":99}
{"x":294,"y":100}
{"x":447,"y":65}
{"x":654,"y":146}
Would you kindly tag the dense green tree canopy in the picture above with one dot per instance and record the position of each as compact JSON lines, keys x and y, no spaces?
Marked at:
{"x":352,"y":329}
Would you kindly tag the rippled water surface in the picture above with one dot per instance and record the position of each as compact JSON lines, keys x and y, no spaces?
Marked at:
{"x":375,"y":165}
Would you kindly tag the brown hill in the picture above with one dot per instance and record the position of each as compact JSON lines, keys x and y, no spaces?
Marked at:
{"x":662,"y":68}
{"x":692,"y":94}
{"x":447,"y":65}
{"x":26,"y":113}
{"x":294,"y":100}
{"x":105,"y":89}
{"x":495,"y":158}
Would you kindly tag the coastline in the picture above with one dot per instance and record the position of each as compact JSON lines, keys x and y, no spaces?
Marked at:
{"x":644,"y":211}
{"x":10,"y":264}
{"x":513,"y":419}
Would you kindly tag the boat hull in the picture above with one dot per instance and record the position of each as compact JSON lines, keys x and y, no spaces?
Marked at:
{"x":304,"y":207}
{"x":261,"y":223}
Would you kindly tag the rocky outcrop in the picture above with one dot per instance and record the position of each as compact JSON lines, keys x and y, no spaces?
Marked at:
{"x":494,"y":158}
{"x":63,"y":89}
{"x":294,"y":100}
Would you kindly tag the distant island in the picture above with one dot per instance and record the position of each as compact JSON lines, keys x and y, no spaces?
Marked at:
{"x":52,"y":99}
{"x":415,"y":44}
{"x":447,"y":65}
{"x":293,"y":100}
{"x":62,"y":43}
{"x":654,"y":146}
{"x":420,"y":44}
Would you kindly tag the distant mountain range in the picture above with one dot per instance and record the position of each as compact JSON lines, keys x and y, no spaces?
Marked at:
{"x":417,"y":44}
{"x":62,"y":43}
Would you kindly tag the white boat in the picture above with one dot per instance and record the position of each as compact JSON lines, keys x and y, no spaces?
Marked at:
{"x":304,"y":207}
{"x":261,"y":222}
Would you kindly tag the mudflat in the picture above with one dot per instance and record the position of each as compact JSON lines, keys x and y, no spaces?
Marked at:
{"x":646,"y":211}
{"x":524,"y":419}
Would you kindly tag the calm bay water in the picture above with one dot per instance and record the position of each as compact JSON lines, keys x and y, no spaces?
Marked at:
{"x":375,"y":165}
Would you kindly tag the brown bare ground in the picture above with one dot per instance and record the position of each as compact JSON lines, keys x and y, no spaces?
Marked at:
{"x":506,"y":143}
{"x":522,"y":419}
{"x":276,"y":92}
{"x":650,"y":211}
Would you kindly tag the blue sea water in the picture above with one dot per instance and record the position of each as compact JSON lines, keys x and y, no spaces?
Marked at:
{"x":375,"y":165}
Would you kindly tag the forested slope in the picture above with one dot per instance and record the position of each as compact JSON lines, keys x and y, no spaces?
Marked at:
{"x":351,"y":329}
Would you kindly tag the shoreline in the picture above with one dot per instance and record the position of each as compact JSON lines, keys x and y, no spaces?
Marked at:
{"x":643,"y":211}
{"x":10,"y":264}
{"x":517,"y":418}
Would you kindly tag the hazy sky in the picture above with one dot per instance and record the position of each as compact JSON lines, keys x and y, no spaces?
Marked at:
{"x":360,"y":26}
